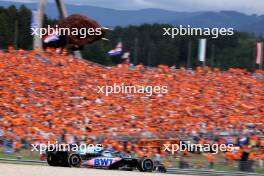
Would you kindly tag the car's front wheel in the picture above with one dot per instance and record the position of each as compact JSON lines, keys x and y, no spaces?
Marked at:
{"x":145,"y":165}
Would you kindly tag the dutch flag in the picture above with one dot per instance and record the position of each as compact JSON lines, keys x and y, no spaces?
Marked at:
{"x":51,"y":38}
{"x":117,"y":51}
{"x":243,"y":140}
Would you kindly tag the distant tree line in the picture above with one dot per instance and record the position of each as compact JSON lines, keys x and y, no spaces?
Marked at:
{"x":15,"y":27}
{"x":146,"y":43}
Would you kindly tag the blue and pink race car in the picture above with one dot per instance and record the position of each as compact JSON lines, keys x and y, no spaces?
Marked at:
{"x":103,"y":159}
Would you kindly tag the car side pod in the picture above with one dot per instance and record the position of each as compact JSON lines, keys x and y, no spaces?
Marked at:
{"x":145,"y":165}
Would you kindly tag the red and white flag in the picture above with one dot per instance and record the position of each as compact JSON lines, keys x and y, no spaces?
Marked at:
{"x":259,"y":54}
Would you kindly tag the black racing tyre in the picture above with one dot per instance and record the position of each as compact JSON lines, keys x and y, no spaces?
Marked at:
{"x":74,"y":160}
{"x":52,"y":159}
{"x":145,"y":165}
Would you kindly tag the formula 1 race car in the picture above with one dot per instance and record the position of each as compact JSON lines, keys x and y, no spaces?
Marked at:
{"x":103,"y":159}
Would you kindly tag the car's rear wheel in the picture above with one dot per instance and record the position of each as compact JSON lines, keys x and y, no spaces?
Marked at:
{"x":52,"y":159}
{"x":58,"y":159}
{"x":74,"y":160}
{"x":145,"y":165}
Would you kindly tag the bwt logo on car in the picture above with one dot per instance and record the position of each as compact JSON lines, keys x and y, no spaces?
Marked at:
{"x":103,"y":162}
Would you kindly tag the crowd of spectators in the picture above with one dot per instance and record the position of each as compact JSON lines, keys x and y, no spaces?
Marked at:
{"x":53,"y":96}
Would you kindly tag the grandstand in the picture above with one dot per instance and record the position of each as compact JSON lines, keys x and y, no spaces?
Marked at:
{"x":50,"y":95}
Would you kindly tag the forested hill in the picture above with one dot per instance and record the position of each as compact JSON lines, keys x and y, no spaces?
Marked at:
{"x":111,"y":17}
{"x":147,"y":41}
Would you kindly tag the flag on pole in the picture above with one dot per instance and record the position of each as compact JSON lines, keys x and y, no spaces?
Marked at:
{"x":259,"y":53}
{"x":34,"y":20}
{"x":202,"y":50}
{"x":117,"y":50}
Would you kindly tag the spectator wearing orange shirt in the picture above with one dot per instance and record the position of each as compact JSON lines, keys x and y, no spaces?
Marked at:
{"x":210,"y":159}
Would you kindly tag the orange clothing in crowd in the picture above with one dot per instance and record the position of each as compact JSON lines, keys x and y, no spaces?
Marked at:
{"x":210,"y":157}
{"x":45,"y":95}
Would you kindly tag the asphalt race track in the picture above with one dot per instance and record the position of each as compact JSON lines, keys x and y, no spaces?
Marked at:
{"x":37,"y":170}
